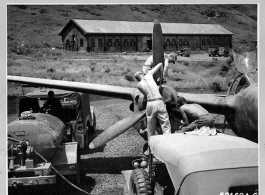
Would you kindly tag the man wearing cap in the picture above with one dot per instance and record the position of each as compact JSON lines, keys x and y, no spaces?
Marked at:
{"x":155,"y":108}
{"x":52,"y":105}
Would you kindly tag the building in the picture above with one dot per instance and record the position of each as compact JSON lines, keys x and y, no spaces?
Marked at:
{"x":129,"y":36}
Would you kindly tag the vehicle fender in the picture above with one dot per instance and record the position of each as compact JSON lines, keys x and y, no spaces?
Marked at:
{"x":127,"y":175}
{"x":65,"y":160}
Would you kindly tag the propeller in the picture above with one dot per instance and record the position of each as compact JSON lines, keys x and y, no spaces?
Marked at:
{"x":117,"y":129}
{"x":126,"y":123}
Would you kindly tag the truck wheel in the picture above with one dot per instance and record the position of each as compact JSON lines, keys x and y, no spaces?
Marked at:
{"x":140,"y":182}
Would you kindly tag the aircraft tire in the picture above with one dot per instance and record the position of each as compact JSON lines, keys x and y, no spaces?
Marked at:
{"x":140,"y":182}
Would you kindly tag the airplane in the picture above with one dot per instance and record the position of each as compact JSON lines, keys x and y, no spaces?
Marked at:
{"x":240,"y":108}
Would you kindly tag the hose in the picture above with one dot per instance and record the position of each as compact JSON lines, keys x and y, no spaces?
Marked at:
{"x":67,"y":181}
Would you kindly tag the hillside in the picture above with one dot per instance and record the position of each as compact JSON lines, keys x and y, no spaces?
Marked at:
{"x":39,"y":25}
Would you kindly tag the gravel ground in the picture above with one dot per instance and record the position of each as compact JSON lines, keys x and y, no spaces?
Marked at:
{"x":101,"y":168}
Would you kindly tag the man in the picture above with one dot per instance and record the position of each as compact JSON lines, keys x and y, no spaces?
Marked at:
{"x":155,"y":108}
{"x":52,"y":105}
{"x":148,"y":65}
{"x":193,"y":116}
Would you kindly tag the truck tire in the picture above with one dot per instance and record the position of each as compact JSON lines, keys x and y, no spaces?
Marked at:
{"x":140,"y":182}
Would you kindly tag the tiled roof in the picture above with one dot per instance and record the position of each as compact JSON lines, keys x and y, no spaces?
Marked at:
{"x":129,"y":27}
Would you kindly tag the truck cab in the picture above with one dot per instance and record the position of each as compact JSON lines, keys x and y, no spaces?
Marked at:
{"x":77,"y":114}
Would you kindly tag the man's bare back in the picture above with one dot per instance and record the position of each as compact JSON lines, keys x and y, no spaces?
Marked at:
{"x":193,"y":111}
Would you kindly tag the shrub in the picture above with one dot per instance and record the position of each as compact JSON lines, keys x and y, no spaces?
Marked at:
{"x":185,"y":63}
{"x":46,"y":45}
{"x":11,"y":62}
{"x":51,"y":70}
{"x":93,"y":63}
{"x":129,"y":78}
{"x":92,"y":68}
{"x":43,"y":11}
{"x":106,"y":69}
{"x":21,"y":6}
{"x":225,"y":67}
{"x":230,"y":59}
{"x":216,"y":87}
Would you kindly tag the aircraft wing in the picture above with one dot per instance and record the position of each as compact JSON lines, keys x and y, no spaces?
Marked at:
{"x":212,"y":102}
{"x":97,"y":89}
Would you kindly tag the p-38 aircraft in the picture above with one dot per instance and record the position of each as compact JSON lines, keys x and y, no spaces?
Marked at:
{"x":240,"y":107}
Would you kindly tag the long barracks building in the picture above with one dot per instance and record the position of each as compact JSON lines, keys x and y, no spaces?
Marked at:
{"x":127,"y":36}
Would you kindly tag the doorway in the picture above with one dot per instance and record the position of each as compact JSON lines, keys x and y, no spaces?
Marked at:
{"x":149,"y":44}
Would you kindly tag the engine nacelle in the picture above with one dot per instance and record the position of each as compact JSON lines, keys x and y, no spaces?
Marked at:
{"x":44,"y":132}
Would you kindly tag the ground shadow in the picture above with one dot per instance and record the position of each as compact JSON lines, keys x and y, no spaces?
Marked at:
{"x":111,"y":165}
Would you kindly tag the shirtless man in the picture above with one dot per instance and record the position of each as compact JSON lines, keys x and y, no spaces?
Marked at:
{"x":193,"y":116}
{"x":155,"y":108}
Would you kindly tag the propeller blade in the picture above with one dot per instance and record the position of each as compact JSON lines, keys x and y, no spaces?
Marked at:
{"x":117,"y":129}
{"x":157,"y":47}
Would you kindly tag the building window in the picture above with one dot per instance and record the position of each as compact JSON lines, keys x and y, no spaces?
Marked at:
{"x":81,"y":43}
{"x":203,"y":41}
{"x":117,"y":42}
{"x":180,"y":42}
{"x":168,"y":42}
{"x":67,"y":44}
{"x":133,"y":42}
{"x":100,"y":43}
{"x":109,"y":42}
{"x":93,"y":44}
{"x":218,"y":41}
{"x":125,"y":42}
{"x":186,"y":42}
{"x":213,"y":42}
{"x":174,"y":42}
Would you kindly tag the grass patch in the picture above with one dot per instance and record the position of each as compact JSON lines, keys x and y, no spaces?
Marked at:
{"x":120,"y":72}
